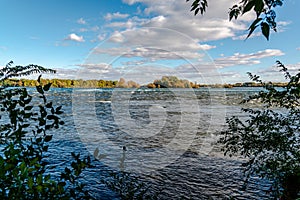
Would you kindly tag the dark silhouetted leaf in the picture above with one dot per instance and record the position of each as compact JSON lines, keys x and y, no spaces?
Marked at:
{"x":265,"y":28}
{"x":48,"y":138}
{"x":47,"y":87}
{"x":259,"y":6}
{"x":40,"y":89}
{"x":28,"y":107}
{"x":249,"y":6}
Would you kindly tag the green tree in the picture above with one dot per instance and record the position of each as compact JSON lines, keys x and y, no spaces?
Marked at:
{"x":264,"y":10}
{"x":270,"y":137}
{"x":25,"y":140}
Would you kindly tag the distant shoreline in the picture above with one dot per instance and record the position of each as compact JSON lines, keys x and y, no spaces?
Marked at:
{"x":165,"y":82}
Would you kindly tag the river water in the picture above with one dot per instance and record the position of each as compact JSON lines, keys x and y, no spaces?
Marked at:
{"x":166,"y":137}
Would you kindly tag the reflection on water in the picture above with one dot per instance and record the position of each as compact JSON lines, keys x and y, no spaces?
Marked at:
{"x":194,"y":174}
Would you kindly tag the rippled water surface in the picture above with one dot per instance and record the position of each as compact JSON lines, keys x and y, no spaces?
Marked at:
{"x":169,"y":136}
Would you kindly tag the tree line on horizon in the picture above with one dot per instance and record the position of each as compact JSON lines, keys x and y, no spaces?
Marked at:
{"x":164,"y":82}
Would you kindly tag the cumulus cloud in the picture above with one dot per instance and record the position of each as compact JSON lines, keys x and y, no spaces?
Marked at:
{"x":98,"y":71}
{"x":117,"y":15}
{"x":169,"y":30}
{"x":208,"y":72}
{"x":166,"y":31}
{"x":151,"y":54}
{"x":155,"y":44}
{"x":89,"y":71}
{"x":175,"y":15}
{"x":74,"y":37}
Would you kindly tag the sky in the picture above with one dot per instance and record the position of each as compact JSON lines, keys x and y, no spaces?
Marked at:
{"x":143,"y":40}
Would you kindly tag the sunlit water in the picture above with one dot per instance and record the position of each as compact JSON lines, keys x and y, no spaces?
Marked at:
{"x":195,"y":170}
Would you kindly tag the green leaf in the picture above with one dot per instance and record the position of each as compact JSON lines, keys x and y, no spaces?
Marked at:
{"x":30,"y":182}
{"x":47,"y":127}
{"x":234,"y":12}
{"x":196,"y":11}
{"x":28,"y":107}
{"x":251,"y":31}
{"x":196,"y":3}
{"x":58,"y":108}
{"x":45,"y":148}
{"x":52,"y":117}
{"x":47,"y":86}
{"x":255,"y":22}
{"x":48,"y":138}
{"x":40,"y":89}
{"x":25,"y":125}
{"x":42,"y":122}
{"x":49,"y":105}
{"x":259,"y":6}
{"x":249,"y":6}
{"x":38,"y":140}
{"x":39,"y":79}
{"x":265,"y":28}
{"x":253,"y":26}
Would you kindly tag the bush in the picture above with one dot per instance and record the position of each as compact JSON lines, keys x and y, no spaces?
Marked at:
{"x":24,"y":140}
{"x":128,"y":186}
{"x":270,"y":137}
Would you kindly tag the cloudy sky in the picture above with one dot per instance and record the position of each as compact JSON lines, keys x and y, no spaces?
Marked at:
{"x":144,"y":39}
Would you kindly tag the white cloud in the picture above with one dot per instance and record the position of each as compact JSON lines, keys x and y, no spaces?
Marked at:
{"x":206,"y":47}
{"x":81,"y":21}
{"x":273,"y":73}
{"x":246,"y":59}
{"x":74,"y":37}
{"x":117,"y":15}
{"x":101,"y":37}
{"x":160,"y":38}
{"x":294,"y":68}
{"x":118,"y":25}
{"x":244,"y":36}
{"x":283,"y":23}
{"x":167,"y":32}
{"x":280,"y":28}
{"x":102,"y":66}
{"x":202,"y":72}
{"x":87,"y":29}
{"x":176,"y":15}
{"x":117,"y":37}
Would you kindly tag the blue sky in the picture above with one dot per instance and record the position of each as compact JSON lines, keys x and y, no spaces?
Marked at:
{"x":143,"y":40}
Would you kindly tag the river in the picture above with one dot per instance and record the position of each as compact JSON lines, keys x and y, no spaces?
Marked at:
{"x":166,"y":137}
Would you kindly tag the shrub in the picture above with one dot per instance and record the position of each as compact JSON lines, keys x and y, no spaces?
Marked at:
{"x":25,"y":140}
{"x":270,"y":137}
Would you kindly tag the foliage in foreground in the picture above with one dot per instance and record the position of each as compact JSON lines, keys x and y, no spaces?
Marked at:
{"x":129,"y":187}
{"x":264,"y":10}
{"x":270,"y":137}
{"x":25,"y":140}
